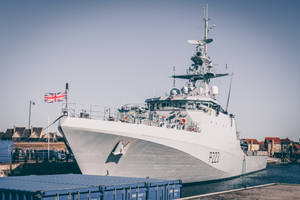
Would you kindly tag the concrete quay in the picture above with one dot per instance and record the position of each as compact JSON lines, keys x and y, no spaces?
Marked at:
{"x":273,"y":191}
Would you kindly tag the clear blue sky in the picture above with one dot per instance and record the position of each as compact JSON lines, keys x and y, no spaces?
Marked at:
{"x":117,"y":52}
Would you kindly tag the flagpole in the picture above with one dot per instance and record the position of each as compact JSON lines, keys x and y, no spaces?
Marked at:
{"x":48,"y":140}
{"x":67,"y":88}
{"x":29,"y":117}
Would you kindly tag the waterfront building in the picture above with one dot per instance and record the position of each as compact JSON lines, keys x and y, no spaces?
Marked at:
{"x":286,"y":145}
{"x":296,"y":154}
{"x":7,"y":134}
{"x":36,"y":133}
{"x":252,"y":144}
{"x":262,"y":146}
{"x":273,"y":145}
{"x":51,"y":136}
{"x":296,"y":147}
{"x":20,"y":134}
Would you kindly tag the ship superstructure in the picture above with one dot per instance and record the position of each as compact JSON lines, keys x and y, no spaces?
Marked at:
{"x":184,"y":135}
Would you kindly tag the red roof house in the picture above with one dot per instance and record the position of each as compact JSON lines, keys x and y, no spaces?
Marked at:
{"x":275,"y":139}
{"x":253,"y":144}
{"x":254,"y":141}
{"x":297,"y":146}
{"x":285,"y":141}
{"x":273,"y":145}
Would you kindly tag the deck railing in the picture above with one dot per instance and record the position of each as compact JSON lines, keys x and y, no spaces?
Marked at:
{"x":149,"y":118}
{"x":91,"y":111}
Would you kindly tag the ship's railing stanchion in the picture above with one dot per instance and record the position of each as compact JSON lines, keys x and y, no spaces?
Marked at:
{"x":93,"y":111}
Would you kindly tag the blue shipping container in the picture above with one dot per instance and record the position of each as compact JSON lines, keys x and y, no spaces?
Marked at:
{"x":6,"y":148}
{"x":76,"y":186}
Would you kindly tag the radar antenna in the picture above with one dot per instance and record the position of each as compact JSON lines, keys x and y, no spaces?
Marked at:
{"x":229,"y":92}
{"x":206,"y":19}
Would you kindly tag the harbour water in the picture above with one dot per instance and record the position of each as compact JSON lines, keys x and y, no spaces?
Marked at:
{"x":289,"y":173}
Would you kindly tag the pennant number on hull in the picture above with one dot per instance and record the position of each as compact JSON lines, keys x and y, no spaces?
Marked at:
{"x":214,"y":157}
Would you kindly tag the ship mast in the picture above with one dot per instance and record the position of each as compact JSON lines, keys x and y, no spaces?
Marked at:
{"x":201,"y":68}
{"x":205,"y":27}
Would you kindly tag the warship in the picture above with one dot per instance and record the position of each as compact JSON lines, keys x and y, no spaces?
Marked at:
{"x":184,"y":135}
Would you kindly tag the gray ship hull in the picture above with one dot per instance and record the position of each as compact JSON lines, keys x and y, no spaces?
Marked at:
{"x":93,"y":149}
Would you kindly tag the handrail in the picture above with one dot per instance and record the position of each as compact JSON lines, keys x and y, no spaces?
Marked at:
{"x":137,"y":115}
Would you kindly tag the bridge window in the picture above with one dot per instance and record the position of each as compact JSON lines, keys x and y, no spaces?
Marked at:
{"x":151,"y":107}
{"x":191,"y":106}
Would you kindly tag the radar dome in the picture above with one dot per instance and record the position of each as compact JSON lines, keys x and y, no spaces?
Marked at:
{"x":185,"y":90}
{"x":174,"y":91}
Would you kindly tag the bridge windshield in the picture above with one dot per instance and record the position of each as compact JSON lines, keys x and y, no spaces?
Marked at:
{"x":167,"y":105}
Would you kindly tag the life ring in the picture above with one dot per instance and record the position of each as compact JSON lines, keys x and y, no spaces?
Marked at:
{"x":182,"y":121}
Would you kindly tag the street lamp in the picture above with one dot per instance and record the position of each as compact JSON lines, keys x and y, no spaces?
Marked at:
{"x":30,"y":103}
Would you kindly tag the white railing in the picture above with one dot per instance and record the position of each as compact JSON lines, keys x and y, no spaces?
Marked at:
{"x":112,"y":114}
{"x":91,"y":111}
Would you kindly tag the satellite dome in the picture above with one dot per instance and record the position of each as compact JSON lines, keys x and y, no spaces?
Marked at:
{"x":174,"y":91}
{"x":185,"y":90}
